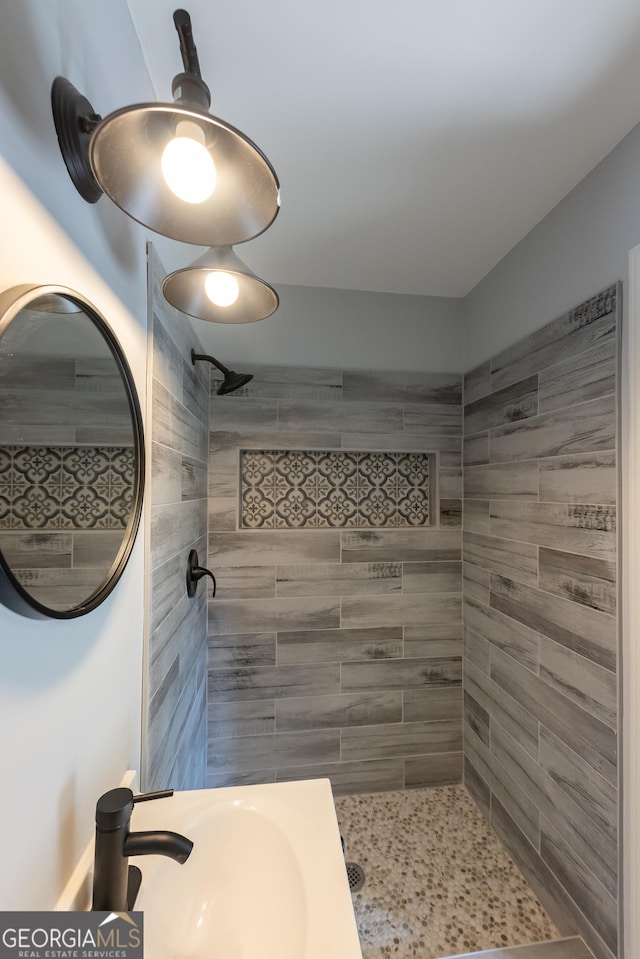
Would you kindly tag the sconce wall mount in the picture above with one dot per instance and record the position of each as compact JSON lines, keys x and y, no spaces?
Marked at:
{"x":75,"y":120}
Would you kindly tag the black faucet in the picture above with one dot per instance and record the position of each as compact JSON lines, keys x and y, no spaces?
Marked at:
{"x":115,"y":882}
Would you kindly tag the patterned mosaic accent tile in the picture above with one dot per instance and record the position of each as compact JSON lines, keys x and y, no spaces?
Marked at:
{"x":65,"y":487}
{"x":323,"y":489}
{"x":438,"y":881}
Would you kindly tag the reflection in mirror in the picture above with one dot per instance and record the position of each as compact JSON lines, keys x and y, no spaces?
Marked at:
{"x":71,"y":455}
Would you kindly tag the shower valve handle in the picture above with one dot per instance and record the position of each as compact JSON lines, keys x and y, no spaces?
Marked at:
{"x":195,"y":572}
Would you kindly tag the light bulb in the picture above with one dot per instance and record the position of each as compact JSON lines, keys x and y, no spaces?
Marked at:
{"x":187,"y":165}
{"x":221,"y":288}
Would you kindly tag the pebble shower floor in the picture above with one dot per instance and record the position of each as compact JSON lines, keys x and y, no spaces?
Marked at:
{"x":438,"y":881}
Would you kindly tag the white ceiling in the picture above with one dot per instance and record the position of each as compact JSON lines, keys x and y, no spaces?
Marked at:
{"x":415,"y":143}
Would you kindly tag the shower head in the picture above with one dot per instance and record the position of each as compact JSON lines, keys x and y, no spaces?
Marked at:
{"x":232,"y":380}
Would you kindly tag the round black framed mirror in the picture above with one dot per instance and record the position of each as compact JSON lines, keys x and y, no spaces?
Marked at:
{"x":71,"y":454}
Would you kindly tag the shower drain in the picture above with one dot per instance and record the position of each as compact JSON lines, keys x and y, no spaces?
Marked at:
{"x":355,"y":875}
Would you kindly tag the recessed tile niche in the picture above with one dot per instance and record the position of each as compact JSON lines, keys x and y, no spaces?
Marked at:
{"x":62,"y":512}
{"x":65,"y":487}
{"x":333,"y":489}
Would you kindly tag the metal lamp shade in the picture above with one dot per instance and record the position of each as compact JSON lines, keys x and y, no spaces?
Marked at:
{"x":185,"y":289}
{"x":125,"y":154}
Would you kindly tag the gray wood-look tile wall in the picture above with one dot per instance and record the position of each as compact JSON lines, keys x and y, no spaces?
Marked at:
{"x":335,"y":652}
{"x":174,"y":754}
{"x":540,"y":610}
{"x":58,"y":403}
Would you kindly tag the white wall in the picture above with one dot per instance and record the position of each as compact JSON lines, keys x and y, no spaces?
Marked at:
{"x":70,"y":691}
{"x":348,"y":329}
{"x":579,"y":248}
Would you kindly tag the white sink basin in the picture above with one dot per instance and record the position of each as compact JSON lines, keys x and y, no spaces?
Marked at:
{"x":266,"y":878}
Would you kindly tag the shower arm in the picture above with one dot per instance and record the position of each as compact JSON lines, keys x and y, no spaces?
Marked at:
{"x":205,"y":356}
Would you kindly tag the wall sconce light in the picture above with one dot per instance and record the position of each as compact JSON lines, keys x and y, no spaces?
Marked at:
{"x":173,"y":167}
{"x":220,"y":288}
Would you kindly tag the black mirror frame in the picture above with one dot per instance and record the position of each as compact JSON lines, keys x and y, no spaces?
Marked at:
{"x":12,"y":594}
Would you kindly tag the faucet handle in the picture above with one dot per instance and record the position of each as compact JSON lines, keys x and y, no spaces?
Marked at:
{"x":115,"y":807}
{"x":158,"y":794}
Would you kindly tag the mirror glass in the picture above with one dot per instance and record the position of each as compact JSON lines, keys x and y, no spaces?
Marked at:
{"x":71,"y":454}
